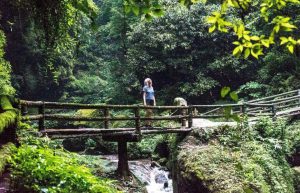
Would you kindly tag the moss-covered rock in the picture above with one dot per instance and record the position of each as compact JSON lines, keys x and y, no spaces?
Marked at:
{"x":5,"y":103}
{"x":5,"y":153}
{"x":8,"y":117}
{"x":231,"y":160}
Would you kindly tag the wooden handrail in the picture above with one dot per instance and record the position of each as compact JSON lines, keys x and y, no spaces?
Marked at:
{"x":258,"y":105}
{"x":223,"y":105}
{"x":57,"y":105}
{"x":84,"y":118}
{"x":273,"y":96}
{"x":287,"y":99}
{"x":255,"y":107}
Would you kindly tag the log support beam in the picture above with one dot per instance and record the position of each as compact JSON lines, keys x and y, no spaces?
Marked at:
{"x":123,"y":167}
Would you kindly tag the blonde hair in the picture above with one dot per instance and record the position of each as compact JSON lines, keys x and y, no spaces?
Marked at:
{"x":146,"y":81}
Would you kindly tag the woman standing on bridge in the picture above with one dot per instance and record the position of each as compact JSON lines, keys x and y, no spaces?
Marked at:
{"x":148,"y":98}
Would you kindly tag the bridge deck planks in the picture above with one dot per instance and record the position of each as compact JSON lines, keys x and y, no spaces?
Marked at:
{"x":292,"y":111}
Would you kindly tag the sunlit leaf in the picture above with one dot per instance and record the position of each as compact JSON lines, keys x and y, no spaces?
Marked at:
{"x":135,"y":10}
{"x":266,"y":43}
{"x":212,"y":28}
{"x":234,"y":96}
{"x":236,"y":43}
{"x":291,"y":48}
{"x":236,"y":51}
{"x":255,"y":38}
{"x":247,"y":53}
{"x":127,"y":9}
{"x":211,"y":19}
{"x":224,"y":91}
{"x":284,"y":40}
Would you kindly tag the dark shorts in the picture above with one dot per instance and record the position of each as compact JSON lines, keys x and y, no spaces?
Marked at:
{"x":150,"y":102}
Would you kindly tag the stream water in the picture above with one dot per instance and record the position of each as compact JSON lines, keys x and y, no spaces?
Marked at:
{"x":154,"y":177}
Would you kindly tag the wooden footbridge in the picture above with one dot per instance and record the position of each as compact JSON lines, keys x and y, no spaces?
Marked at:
{"x":47,"y":113}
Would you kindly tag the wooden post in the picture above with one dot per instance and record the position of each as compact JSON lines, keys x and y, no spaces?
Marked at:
{"x":24,"y":110}
{"x":299,"y":95}
{"x":190,"y":121}
{"x":183,"y":120}
{"x":274,"y":112}
{"x":137,"y":120}
{"x":244,"y":109}
{"x":42,"y":120}
{"x":123,"y":168}
{"x":106,"y":115}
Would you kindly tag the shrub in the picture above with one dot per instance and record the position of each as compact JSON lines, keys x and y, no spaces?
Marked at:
{"x":241,"y":159}
{"x":41,"y":169}
{"x":5,"y":152}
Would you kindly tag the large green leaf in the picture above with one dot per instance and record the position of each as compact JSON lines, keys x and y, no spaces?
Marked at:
{"x":225,"y":90}
{"x":234,"y":96}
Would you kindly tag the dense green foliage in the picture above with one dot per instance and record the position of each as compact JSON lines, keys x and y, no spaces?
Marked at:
{"x":107,"y":64}
{"x":5,"y":153}
{"x":7,"y":119}
{"x":41,"y":169}
{"x":100,"y":52}
{"x":5,"y":69}
{"x":9,"y":115}
{"x":251,"y":159}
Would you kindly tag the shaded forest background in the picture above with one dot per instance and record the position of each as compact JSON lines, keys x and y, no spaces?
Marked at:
{"x":60,"y":51}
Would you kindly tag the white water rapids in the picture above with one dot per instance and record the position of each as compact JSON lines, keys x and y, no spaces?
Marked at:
{"x":153,"y":177}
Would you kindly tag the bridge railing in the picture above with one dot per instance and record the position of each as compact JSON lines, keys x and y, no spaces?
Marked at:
{"x":219,"y":111}
{"x":185,"y":116}
{"x":281,"y":102}
{"x":276,"y":105}
{"x":43,"y":114}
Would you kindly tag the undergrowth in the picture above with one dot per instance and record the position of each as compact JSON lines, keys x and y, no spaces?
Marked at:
{"x":41,"y":165}
{"x":242,"y":159}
